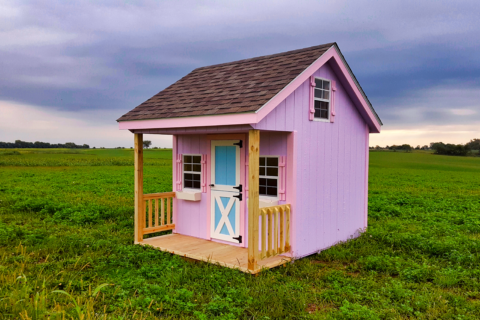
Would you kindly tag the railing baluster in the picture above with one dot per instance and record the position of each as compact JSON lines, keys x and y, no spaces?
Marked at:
{"x":270,"y":235}
{"x":150,"y":211}
{"x":275,"y":231}
{"x":145,"y":218}
{"x":163,"y":211}
{"x":168,"y":211}
{"x":264,"y":234}
{"x":156,"y":212}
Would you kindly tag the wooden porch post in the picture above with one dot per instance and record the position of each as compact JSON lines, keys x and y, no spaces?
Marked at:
{"x":253,"y":195}
{"x":139,"y":218}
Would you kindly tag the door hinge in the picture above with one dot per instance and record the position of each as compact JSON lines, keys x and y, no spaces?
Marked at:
{"x":239,"y":197}
{"x":239,"y":188}
{"x":239,"y":239}
{"x":239,"y":143}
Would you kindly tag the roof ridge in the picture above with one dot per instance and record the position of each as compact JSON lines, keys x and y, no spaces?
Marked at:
{"x":269,"y":56}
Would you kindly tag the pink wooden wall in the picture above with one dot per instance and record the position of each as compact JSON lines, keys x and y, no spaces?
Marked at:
{"x":191,"y":217}
{"x":330,"y":170}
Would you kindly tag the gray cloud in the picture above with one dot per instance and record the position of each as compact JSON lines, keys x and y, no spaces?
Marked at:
{"x":108,"y":55}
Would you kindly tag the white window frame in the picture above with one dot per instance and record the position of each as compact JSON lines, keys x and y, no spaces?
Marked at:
{"x":192,"y":172}
{"x":270,"y":177}
{"x":324,"y":100}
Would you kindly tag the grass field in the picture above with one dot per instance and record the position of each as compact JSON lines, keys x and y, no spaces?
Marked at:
{"x":66,"y":234}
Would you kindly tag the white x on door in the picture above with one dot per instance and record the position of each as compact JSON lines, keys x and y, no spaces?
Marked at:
{"x":225,"y":195}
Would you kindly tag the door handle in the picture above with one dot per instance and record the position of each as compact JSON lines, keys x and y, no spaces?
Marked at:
{"x":211,"y":185}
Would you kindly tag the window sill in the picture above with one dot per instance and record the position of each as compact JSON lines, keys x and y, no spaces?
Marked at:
{"x":265,"y":202}
{"x":189,"y":195}
{"x":321,"y":120}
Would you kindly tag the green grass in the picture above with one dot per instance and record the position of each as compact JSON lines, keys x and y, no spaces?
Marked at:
{"x":66,"y":234}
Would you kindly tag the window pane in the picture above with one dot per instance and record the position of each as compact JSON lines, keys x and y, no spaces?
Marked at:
{"x":187,"y":167}
{"x":187,"y":159}
{"x":197,"y":159}
{"x":326,"y":85}
{"x":272,"y":162}
{"x":318,"y":93}
{"x":197,"y":168}
{"x":318,"y":83}
{"x":187,"y":176}
{"x":262,"y":171}
{"x":262,"y":191}
{"x":272,"y":191}
{"x":262,"y":161}
{"x":323,"y":105}
{"x":317,"y":113}
{"x":196,"y":184}
{"x":188,"y":184}
{"x":271,"y":182}
{"x":323,"y":114}
{"x":196,"y":177}
{"x":318,"y":104}
{"x":326,"y":94}
{"x":263,"y":182}
{"x":272,"y":172}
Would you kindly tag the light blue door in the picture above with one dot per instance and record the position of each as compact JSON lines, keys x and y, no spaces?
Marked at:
{"x":225,"y":179}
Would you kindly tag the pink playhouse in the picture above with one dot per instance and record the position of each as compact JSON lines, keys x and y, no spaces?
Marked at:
{"x":270,"y":159}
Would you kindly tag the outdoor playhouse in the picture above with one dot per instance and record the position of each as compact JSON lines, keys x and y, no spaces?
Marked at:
{"x":270,"y":159}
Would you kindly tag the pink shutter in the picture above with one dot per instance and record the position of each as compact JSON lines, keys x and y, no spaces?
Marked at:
{"x":179,"y":172}
{"x":311,"y":111}
{"x":204,"y":173}
{"x":282,"y":180}
{"x":332,"y":101}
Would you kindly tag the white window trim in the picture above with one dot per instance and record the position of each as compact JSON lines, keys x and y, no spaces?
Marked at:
{"x":266,"y":197}
{"x":324,"y":100}
{"x":193,"y":172}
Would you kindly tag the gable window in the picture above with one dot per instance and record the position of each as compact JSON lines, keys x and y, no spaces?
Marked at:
{"x":268,"y":176}
{"x":322,"y":99}
{"x":192,"y":171}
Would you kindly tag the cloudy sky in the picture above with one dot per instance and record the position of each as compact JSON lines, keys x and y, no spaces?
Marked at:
{"x":69,"y":69}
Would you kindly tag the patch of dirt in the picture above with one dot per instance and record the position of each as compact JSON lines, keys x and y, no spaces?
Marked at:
{"x":311,"y":308}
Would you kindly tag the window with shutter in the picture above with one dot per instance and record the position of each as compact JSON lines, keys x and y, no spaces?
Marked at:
{"x":192,"y":171}
{"x":321,"y":99}
{"x":322,"y":106}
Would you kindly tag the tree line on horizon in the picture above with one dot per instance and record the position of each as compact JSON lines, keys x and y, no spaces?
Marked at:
{"x":439,"y":148}
{"x":41,"y":145}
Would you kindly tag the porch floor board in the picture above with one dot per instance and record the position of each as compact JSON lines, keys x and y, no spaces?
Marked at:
{"x":211,"y":252}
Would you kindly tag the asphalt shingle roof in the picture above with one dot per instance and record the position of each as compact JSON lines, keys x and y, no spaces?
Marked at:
{"x":234,"y":87}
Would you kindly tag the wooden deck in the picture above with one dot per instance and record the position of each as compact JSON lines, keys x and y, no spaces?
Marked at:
{"x":212,"y":252}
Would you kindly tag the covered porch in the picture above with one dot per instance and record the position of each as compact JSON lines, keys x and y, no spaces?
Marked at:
{"x":268,"y":228}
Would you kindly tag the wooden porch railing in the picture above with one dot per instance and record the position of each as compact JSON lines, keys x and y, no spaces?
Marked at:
{"x":157,"y":212}
{"x":275,"y":231}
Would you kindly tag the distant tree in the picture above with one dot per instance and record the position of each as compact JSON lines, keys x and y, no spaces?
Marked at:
{"x":425,"y":147}
{"x":417,"y":148}
{"x":377,"y":147}
{"x":147,"y":144}
{"x":450,"y":149}
{"x":474,"y":144}
{"x":406,"y":147}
